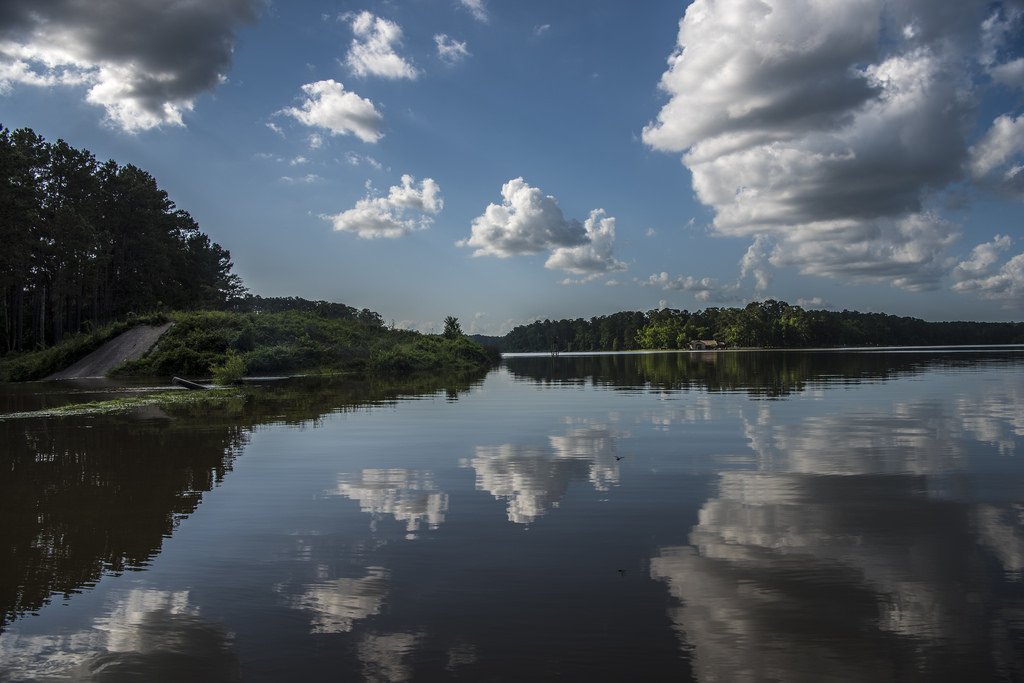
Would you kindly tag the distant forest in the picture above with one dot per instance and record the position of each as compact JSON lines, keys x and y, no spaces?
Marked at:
{"x":760,"y":324}
{"x":85,"y":243}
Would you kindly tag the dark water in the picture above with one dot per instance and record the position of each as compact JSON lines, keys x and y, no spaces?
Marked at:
{"x":713,"y":517}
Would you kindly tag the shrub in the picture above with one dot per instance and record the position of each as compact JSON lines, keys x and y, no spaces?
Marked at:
{"x":231,"y":371}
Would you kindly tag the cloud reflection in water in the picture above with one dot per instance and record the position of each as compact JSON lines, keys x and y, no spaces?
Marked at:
{"x":534,"y":479}
{"x":856,"y":550}
{"x":409,"y":496}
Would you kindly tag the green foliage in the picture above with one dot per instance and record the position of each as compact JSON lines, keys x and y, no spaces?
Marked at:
{"x":452,"y":329}
{"x":231,"y":370}
{"x":86,"y":243}
{"x":760,"y":324}
{"x":300,"y":342}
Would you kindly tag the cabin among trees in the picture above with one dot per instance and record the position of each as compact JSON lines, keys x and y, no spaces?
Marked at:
{"x":85,"y":243}
{"x":704,"y":345}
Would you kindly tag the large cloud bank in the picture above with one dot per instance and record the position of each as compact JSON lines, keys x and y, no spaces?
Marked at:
{"x":830,"y":129}
{"x":143,"y":61}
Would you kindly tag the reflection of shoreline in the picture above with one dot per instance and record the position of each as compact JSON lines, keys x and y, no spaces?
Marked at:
{"x":86,"y":496}
{"x":534,"y":479}
{"x":757,"y":373}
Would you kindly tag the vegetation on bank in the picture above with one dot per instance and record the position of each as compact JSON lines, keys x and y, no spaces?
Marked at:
{"x":221,"y":343}
{"x":760,"y":324}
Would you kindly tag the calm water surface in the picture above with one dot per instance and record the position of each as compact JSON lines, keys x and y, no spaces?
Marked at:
{"x":710,"y":517}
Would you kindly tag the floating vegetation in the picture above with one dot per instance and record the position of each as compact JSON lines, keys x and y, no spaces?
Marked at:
{"x":162,"y":399}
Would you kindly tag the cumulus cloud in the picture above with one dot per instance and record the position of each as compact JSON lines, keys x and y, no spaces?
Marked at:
{"x":476,"y":8}
{"x":354,"y":159}
{"x":143,"y":61}
{"x":329,"y":106}
{"x":978,"y":273}
{"x":830,"y":126}
{"x":754,"y":263}
{"x":703,"y":289}
{"x":1010,"y":74}
{"x":372,"y":52}
{"x":593,"y":258}
{"x":530,"y":222}
{"x":997,"y":159}
{"x":813,"y":302}
{"x":526,"y":222}
{"x":406,"y":208}
{"x":449,"y":50}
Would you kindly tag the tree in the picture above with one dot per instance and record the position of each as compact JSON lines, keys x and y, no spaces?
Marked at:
{"x":452,"y":329}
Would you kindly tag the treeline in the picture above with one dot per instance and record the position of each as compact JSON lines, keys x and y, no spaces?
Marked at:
{"x":760,"y":324}
{"x":254,"y":303}
{"x":85,"y":243}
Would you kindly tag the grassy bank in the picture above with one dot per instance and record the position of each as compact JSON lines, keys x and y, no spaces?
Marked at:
{"x":296,"y":342}
{"x":202,"y":343}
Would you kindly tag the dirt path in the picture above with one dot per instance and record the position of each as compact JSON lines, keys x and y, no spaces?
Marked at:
{"x":127,"y":346}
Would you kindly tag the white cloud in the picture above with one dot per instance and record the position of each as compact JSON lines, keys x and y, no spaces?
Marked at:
{"x":813,"y":302}
{"x":829,"y":127}
{"x":405,"y":209}
{"x":594,"y":258}
{"x":476,"y":8}
{"x":703,"y":289}
{"x":982,"y":258}
{"x":143,"y":61}
{"x":650,"y":232}
{"x":997,"y":159}
{"x":372,"y":52}
{"x":526,"y":222}
{"x":754,"y":262}
{"x":315,"y":141}
{"x":529,"y":222}
{"x":1010,"y":74}
{"x":299,"y":160}
{"x":356,"y":159}
{"x":449,"y":50}
{"x":306,"y":179}
{"x":976,"y":274}
{"x":329,"y":106}
{"x":541,"y":29}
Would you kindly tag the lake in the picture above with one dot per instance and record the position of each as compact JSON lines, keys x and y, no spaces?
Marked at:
{"x":731,"y":516}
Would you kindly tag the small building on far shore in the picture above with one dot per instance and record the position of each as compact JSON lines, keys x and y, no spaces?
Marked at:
{"x":704,"y":345}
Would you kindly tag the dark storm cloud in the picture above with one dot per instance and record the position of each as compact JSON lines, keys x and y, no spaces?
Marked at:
{"x":146,"y":59}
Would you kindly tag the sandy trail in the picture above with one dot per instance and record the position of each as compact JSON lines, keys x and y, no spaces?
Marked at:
{"x":127,"y":346}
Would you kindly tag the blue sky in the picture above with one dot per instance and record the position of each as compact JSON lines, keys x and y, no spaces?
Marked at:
{"x":506,"y":161}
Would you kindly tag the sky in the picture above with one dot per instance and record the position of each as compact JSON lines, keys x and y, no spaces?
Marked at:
{"x":506,"y":161}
